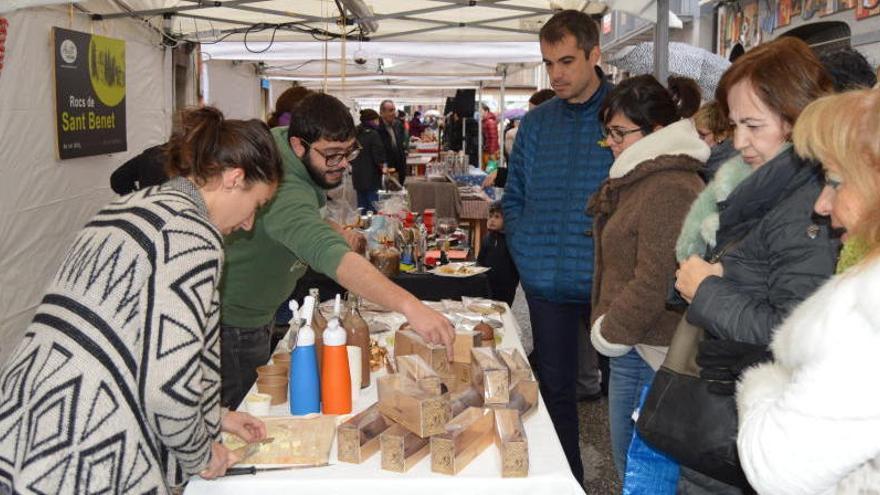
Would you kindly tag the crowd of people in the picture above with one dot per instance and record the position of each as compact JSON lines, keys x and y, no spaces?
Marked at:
{"x":726,"y":217}
{"x":628,"y":211}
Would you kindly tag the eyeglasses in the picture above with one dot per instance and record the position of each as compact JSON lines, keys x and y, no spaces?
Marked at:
{"x":618,"y":134}
{"x":335,"y":159}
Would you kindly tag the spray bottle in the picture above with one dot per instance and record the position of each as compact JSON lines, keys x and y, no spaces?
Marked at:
{"x":304,"y":385}
{"x":335,"y":375}
{"x":287,"y":343}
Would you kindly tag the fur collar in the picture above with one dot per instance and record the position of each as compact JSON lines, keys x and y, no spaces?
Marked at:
{"x":701,"y":222}
{"x":680,"y":138}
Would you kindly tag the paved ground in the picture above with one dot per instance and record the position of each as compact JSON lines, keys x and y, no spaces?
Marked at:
{"x":600,"y":477}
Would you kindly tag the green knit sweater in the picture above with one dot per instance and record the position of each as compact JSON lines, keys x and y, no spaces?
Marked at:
{"x":263,"y":265}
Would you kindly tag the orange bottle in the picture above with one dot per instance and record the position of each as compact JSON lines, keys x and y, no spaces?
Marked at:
{"x":335,"y":375}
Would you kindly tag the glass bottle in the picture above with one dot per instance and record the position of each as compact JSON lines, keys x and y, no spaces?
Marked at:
{"x":358,"y":335}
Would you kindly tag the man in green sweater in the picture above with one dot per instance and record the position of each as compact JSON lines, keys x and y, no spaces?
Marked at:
{"x":263,"y":266}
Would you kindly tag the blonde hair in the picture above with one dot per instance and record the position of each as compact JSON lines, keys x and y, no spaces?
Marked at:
{"x":711,"y":116}
{"x":842,"y":130}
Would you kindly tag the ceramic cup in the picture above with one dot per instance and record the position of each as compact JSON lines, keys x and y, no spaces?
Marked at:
{"x":258,"y":404}
{"x":281,"y":359}
{"x":273,"y":370}
{"x":275,"y":386}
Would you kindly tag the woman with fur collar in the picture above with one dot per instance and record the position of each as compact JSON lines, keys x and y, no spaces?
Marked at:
{"x":764,"y":254}
{"x":809,"y":422}
{"x":637,"y":214}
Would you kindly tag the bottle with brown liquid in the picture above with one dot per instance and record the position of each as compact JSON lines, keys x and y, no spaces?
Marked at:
{"x":319,"y":324}
{"x":358,"y":335}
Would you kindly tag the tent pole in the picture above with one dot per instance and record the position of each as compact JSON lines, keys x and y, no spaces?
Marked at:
{"x":661,"y":42}
{"x":501,"y":115}
{"x":480,"y":163}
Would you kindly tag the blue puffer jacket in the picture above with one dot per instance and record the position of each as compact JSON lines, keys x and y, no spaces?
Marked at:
{"x":555,"y":166}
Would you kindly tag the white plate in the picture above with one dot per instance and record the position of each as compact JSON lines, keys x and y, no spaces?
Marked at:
{"x":459,"y":270}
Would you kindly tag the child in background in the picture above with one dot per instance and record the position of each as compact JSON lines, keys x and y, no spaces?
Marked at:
{"x":503,"y":277}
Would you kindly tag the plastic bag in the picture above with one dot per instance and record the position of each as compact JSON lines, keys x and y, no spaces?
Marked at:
{"x":648,"y":471}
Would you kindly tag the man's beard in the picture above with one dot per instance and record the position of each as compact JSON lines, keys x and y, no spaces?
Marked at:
{"x":317,"y":175}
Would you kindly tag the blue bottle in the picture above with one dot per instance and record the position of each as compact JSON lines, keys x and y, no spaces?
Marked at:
{"x":305,"y":389}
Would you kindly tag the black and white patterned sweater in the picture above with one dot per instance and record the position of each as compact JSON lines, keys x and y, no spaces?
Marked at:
{"x":115,"y":386}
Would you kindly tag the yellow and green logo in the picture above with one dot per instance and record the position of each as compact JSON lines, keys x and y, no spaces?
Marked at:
{"x":107,"y":69}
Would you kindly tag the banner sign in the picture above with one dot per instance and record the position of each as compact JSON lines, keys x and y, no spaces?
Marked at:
{"x":89,"y":94}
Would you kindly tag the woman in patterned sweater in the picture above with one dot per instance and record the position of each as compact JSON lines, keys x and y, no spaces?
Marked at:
{"x":116,"y":384}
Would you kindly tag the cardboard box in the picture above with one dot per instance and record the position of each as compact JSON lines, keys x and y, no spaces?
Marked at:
{"x":465,"y":340}
{"x":358,"y":438}
{"x":466,"y":436}
{"x":512,"y":443}
{"x":402,"y":449}
{"x":415,"y":368}
{"x":408,"y":342}
{"x":490,"y":376}
{"x":516,"y":363}
{"x":402,"y":401}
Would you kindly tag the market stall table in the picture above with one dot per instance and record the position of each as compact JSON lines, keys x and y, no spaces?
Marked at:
{"x":425,"y":286}
{"x":441,"y":195}
{"x":548,"y":469}
{"x":474,"y":213}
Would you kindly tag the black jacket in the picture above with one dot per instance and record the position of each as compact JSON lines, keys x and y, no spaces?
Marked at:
{"x":503,"y":276}
{"x":720,"y":154}
{"x":366,"y":169}
{"x":144,"y":170}
{"x":774,"y":254}
{"x":395,"y":153}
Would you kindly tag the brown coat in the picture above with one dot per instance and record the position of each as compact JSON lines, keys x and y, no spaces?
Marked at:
{"x":637,"y":218}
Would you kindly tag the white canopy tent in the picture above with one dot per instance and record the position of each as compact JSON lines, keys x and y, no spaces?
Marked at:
{"x":460,"y":43}
{"x":397,"y":20}
{"x":365,"y":69}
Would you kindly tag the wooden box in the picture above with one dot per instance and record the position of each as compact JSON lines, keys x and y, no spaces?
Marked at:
{"x":358,"y":438}
{"x":402,"y":401}
{"x":512,"y":443}
{"x":415,"y":368}
{"x":464,"y":341}
{"x":402,"y":449}
{"x":408,"y":342}
{"x":516,"y":363}
{"x":490,"y":376}
{"x":467,"y":435}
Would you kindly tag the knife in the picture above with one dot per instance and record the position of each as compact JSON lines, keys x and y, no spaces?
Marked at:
{"x":239,"y":470}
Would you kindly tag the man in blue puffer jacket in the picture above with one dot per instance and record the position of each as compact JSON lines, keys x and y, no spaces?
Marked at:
{"x":556,"y":164}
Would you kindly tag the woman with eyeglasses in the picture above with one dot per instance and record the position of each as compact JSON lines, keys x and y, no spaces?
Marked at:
{"x":750,"y":250}
{"x":637,"y":214}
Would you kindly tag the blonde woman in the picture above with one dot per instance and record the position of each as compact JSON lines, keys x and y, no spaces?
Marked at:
{"x":810,"y":420}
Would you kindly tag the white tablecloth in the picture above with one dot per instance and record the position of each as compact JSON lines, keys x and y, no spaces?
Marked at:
{"x":548,"y":471}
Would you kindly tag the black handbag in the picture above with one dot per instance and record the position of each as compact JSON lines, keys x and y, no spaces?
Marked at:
{"x":687,"y":421}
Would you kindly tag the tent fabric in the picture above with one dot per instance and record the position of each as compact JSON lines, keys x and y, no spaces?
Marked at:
{"x":384,"y":65}
{"x":398,"y":20}
{"x":44,"y":201}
